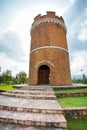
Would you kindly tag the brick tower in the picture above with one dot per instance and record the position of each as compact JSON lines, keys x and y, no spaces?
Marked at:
{"x":49,"y":57}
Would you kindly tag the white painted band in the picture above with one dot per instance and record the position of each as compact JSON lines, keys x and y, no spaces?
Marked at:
{"x":44,"y":20}
{"x":49,"y":47}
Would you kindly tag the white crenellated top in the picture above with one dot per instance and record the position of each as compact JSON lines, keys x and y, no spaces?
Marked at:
{"x":44,"y":20}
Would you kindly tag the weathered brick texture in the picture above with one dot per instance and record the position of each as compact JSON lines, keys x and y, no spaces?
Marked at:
{"x":49,"y":48}
{"x":76,"y":113}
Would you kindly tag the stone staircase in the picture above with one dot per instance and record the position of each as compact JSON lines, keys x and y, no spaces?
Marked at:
{"x":35,"y":109}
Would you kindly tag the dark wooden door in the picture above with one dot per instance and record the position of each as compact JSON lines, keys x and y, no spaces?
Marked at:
{"x":43,"y":75}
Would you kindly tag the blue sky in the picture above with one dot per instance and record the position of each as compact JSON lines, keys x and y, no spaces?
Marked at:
{"x":16,"y":17}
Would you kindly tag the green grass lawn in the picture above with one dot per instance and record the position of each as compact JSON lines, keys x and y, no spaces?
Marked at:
{"x":73,"y":101}
{"x":7,"y":87}
{"x":77,"y":124}
{"x":70,"y":90}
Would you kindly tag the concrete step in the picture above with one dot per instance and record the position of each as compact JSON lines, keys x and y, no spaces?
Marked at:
{"x":30,"y":105}
{"x":33,"y":119}
{"x":33,"y":92}
{"x":30,"y":95}
{"x":36,"y":88}
{"x":6,"y":126}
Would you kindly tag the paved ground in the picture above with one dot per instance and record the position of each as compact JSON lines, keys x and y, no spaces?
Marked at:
{"x":31,"y":113}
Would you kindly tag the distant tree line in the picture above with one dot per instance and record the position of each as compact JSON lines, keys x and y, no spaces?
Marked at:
{"x":21,"y":78}
{"x":83,"y":80}
{"x":7,"y":78}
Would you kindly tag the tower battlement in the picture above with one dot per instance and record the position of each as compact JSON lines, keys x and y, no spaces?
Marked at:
{"x":48,"y":15}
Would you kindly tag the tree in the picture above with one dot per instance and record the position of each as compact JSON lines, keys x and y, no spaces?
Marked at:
{"x":84,"y":79}
{"x":7,"y":76}
{"x":1,"y":79}
{"x":21,"y":77}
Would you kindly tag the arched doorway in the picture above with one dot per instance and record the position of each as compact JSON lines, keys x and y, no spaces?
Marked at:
{"x":43,"y":74}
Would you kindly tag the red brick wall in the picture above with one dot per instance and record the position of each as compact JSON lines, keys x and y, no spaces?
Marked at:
{"x":76,"y":113}
{"x":50,"y":35}
{"x":73,"y":94}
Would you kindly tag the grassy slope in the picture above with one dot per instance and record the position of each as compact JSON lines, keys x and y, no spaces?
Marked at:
{"x":7,"y":87}
{"x":71,"y":90}
{"x":73,"y":101}
{"x":77,"y":124}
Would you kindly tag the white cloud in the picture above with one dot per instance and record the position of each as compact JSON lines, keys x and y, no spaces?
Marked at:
{"x":79,"y":62}
{"x":65,"y":9}
{"x":15,"y":54}
{"x":83,"y":34}
{"x":10,"y":45}
{"x":83,"y":31}
{"x":12,"y":65}
{"x":72,"y":1}
{"x":73,"y":28}
{"x":83,"y":28}
{"x":21,"y":25}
